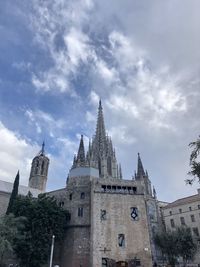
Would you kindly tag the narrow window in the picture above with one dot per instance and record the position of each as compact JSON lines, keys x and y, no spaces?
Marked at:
{"x":170,"y":213}
{"x":80,"y":212}
{"x":82,"y":195}
{"x":42,"y":168}
{"x":180,"y":210}
{"x":121,"y":240}
{"x":172,"y":223}
{"x":199,"y":207}
{"x":195,"y":231}
{"x":192,"y":218}
{"x":70,"y":196}
{"x":190,"y":208}
{"x":182,"y":219}
{"x":103,"y":215}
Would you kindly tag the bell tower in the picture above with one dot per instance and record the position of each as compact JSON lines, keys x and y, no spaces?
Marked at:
{"x":39,"y":171}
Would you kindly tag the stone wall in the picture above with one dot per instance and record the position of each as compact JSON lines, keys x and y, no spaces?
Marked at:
{"x":76,"y":246}
{"x":105,"y":232}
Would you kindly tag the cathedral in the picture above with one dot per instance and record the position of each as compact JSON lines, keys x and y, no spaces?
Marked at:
{"x":111,"y":220}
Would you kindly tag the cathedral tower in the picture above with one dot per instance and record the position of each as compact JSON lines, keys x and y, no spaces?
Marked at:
{"x":101,"y":154}
{"x":143,"y":176}
{"x":39,"y":171}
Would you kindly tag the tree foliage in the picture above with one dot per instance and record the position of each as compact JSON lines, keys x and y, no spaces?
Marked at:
{"x":167,"y":242}
{"x":44,"y":219}
{"x":176,"y":243}
{"x":194,"y":164}
{"x":185,"y":246}
{"x":10,"y":231}
{"x":13,"y":194}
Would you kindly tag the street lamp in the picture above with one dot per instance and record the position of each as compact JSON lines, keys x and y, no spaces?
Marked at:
{"x":52,"y":248}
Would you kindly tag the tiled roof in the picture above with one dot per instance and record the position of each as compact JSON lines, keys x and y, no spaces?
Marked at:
{"x":183,"y":201}
{"x":7,"y":187}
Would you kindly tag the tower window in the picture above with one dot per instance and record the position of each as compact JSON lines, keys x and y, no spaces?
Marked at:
{"x":42,"y":168}
{"x":70,"y":196}
{"x":180,"y":210}
{"x":190,"y":208}
{"x":80,"y":212}
{"x":121,"y":240}
{"x":82,"y":195}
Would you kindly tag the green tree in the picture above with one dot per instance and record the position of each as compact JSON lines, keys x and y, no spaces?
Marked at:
{"x":194,"y":164}
{"x":10,"y":230}
{"x":13,"y":194}
{"x":44,"y":218}
{"x":176,"y":243}
{"x":186,"y":246}
{"x":167,"y":242}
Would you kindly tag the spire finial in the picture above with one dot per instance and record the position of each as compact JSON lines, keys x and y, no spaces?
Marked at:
{"x":43,"y":145}
{"x":140,"y":169}
{"x":100,"y":106}
{"x":80,"y":160}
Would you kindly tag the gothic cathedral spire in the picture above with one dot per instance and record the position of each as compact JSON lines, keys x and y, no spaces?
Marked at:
{"x":140,"y":169}
{"x":101,"y":154}
{"x":80,"y":161}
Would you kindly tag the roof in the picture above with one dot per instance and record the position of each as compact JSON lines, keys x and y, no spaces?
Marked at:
{"x":183,"y":201}
{"x":7,"y":187}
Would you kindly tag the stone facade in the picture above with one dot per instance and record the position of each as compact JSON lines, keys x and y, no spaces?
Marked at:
{"x":110,"y":220}
{"x":39,"y":171}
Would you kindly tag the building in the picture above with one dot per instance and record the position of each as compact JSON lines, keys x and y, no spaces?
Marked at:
{"x":185,"y":212}
{"x":37,"y":181}
{"x":111,"y":220}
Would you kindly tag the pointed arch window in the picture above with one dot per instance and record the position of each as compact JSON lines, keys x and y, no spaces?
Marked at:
{"x":42,"y":168}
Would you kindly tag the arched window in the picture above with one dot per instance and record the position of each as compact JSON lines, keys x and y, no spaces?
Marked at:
{"x":42,"y":168}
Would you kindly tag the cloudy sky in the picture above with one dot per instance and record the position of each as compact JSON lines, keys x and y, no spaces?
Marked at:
{"x":142,"y":58}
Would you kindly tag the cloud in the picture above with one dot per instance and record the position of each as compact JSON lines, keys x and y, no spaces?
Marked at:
{"x":15,"y":153}
{"x":58,"y":29}
{"x":44,"y":121}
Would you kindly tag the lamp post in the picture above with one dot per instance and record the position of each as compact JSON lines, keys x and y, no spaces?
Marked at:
{"x":52,"y":248}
